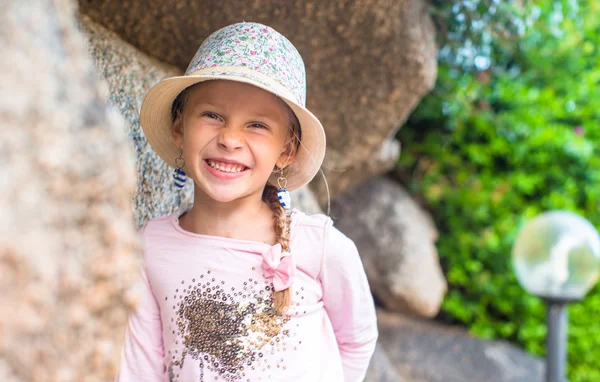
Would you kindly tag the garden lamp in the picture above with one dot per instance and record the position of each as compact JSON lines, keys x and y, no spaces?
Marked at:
{"x":556,"y":256}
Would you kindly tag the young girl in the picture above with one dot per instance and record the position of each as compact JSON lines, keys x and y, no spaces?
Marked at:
{"x":237,"y":286}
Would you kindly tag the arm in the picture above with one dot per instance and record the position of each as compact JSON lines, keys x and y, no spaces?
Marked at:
{"x":349,"y":304}
{"x":142,"y":354}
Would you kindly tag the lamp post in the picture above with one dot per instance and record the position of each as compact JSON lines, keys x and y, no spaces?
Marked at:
{"x":557,"y":257}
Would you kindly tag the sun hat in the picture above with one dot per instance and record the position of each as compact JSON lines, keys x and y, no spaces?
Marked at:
{"x":251,"y":53}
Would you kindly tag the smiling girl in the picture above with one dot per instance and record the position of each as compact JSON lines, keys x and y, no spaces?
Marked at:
{"x":238,"y":286}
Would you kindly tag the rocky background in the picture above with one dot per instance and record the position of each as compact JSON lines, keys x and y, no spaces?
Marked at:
{"x":68,"y":244}
{"x":79,"y":177}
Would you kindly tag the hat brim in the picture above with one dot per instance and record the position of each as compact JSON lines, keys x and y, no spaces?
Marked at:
{"x":156,"y":121}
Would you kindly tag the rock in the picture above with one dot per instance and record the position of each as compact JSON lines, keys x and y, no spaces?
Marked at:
{"x":381,"y":369}
{"x":368,"y":62}
{"x":304,"y":200}
{"x":396,"y":241}
{"x":425,"y":351}
{"x":385,"y":157}
{"x":68,"y":245}
{"x":129,"y":74}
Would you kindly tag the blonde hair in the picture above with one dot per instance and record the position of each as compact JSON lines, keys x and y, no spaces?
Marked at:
{"x":281,"y":218}
{"x":281,"y":299}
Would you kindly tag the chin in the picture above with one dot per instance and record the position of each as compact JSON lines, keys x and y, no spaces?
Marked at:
{"x":224,"y":197}
{"x":223,"y":194}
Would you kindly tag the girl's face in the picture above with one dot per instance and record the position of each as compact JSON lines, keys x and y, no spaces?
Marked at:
{"x":232,"y":135}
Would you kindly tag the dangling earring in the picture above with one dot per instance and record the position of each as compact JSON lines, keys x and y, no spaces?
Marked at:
{"x":179,"y":176}
{"x":283,"y":195}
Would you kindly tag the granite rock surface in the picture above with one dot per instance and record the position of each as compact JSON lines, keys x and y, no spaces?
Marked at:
{"x":425,"y":351}
{"x":129,"y":74}
{"x":396,"y":241}
{"x":381,"y":368}
{"x":68,"y":244}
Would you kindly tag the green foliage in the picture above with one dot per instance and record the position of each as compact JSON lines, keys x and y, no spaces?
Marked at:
{"x":471,"y":28}
{"x":489,"y":150}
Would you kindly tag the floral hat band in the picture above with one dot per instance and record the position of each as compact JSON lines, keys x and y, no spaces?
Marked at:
{"x":251,"y":53}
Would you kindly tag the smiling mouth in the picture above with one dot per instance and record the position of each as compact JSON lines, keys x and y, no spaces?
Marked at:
{"x":226,"y":167}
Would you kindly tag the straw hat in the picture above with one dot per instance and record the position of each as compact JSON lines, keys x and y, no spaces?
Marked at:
{"x":251,"y":53}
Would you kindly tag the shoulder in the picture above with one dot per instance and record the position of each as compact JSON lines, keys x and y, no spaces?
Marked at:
{"x":338,"y":241}
{"x":157,"y":224}
{"x":309,"y":227}
{"x":321,"y":247}
{"x":159,"y":228}
{"x":302,"y":219}
{"x":320,"y":228}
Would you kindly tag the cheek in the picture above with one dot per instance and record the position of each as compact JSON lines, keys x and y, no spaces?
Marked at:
{"x":196,"y":133}
{"x":267,"y":148}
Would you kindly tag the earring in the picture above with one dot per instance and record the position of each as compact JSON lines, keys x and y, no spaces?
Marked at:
{"x":179,"y":176}
{"x":283,"y":195}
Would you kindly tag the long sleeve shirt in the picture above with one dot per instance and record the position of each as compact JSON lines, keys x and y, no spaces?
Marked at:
{"x":206,"y":309}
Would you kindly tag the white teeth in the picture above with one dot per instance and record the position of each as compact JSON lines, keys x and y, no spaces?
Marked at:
{"x":226,"y":167}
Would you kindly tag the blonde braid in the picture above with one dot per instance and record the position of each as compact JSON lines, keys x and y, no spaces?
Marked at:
{"x":281,"y":299}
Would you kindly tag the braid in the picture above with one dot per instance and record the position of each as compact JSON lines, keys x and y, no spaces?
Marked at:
{"x":281,"y":299}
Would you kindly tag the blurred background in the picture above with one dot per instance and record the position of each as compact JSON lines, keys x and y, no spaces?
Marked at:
{"x":510,"y":130}
{"x":450,"y":125}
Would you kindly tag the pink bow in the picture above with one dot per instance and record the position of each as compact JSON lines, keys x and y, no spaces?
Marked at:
{"x":280,"y":266}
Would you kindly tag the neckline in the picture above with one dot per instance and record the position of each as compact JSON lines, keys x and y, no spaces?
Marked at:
{"x":174,"y":218}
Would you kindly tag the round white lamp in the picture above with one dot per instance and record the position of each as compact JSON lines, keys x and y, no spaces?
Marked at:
{"x":556,"y":256}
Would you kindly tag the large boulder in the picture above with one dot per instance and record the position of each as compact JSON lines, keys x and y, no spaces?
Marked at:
{"x":368,"y":63}
{"x":305,"y":200}
{"x":129,"y":74}
{"x":396,"y":241}
{"x":381,"y":369}
{"x":423,"y":351}
{"x":68,"y":245}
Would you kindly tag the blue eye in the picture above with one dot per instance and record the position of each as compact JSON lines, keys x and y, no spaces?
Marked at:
{"x":258,"y":125}
{"x":211,"y":115}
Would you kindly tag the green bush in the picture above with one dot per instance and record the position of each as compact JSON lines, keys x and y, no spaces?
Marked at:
{"x":489,"y":150}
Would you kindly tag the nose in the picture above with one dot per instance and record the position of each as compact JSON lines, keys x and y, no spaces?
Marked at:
{"x":231,"y":138}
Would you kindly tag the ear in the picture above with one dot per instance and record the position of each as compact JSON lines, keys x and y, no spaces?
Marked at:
{"x":288,"y":155}
{"x":177,"y":132}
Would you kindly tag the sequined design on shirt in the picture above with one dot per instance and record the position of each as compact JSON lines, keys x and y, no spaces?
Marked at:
{"x":228,"y":331}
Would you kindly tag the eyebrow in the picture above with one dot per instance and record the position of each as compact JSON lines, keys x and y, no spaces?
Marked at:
{"x":264,"y":118}
{"x":203,"y":105}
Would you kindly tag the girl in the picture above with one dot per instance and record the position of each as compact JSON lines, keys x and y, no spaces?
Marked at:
{"x":237,"y":286}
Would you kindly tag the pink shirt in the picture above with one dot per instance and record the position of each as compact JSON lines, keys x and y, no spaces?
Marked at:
{"x":206,"y":313}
